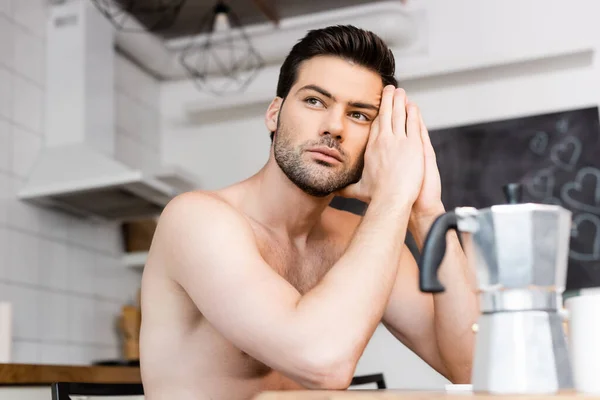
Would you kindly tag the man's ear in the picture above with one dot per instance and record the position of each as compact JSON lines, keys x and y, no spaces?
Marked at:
{"x":273,"y":113}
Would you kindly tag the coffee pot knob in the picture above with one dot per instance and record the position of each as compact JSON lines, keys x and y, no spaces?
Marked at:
{"x":513,"y":192}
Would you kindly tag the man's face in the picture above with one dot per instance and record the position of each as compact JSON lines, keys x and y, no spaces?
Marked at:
{"x":323,"y":125}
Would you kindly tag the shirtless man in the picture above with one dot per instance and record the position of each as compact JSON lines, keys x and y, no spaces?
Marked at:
{"x":263,"y":286}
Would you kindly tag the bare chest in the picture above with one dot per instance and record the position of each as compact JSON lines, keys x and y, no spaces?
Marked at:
{"x":304,"y":268}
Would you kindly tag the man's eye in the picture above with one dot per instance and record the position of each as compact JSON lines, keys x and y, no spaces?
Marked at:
{"x":313,"y":101}
{"x":359,"y":115}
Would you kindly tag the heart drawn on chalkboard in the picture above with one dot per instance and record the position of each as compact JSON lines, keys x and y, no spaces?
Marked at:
{"x":573,"y":193}
{"x":586,"y":247}
{"x":566,"y":153}
{"x":539,"y":143}
{"x":542,"y":184}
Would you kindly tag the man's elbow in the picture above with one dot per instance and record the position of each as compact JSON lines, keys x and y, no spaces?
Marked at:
{"x":460,"y":374}
{"x":327,"y":373}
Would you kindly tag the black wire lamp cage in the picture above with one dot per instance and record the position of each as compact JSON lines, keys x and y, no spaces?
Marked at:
{"x":140,"y":15}
{"x":220,"y":58}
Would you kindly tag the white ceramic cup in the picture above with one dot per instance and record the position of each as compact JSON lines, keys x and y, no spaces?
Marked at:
{"x":583,"y":314}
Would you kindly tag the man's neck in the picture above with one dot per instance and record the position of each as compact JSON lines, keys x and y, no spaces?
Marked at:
{"x":279,"y":204}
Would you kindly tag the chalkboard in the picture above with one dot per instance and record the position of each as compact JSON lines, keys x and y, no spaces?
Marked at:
{"x":555,"y":156}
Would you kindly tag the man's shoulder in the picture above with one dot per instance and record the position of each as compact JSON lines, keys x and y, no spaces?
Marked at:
{"x":198,"y":207}
{"x":194,"y":224}
{"x":198,"y":201}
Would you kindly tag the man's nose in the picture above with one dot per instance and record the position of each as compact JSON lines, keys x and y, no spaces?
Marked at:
{"x":334,"y":124}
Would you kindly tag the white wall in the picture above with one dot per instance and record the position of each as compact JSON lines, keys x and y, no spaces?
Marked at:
{"x":483,"y":60}
{"x":137,"y":116}
{"x":62,"y":275}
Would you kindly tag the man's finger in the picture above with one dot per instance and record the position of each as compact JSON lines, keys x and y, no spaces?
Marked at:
{"x":386,"y":109}
{"x":399,"y":118}
{"x":426,"y":139}
{"x":413,"y":124}
{"x":424,"y":132}
{"x":374,"y":133}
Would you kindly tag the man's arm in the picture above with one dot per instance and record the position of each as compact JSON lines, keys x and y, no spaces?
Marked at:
{"x":438,"y":328}
{"x":315,"y":339}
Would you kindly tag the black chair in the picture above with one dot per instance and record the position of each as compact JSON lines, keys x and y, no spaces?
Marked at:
{"x":64,"y":390}
{"x":366,"y":379}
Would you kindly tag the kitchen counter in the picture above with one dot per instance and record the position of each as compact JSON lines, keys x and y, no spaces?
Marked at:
{"x":37,"y":374}
{"x":409,"y":395}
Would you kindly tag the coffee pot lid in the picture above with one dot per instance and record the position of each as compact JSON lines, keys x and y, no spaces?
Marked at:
{"x":513,"y":193}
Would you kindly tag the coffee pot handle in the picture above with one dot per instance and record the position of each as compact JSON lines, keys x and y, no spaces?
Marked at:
{"x":433,"y":252}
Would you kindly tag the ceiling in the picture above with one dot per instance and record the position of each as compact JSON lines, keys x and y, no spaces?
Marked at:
{"x":249,"y":12}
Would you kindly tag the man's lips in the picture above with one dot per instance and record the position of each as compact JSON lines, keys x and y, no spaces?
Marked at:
{"x":329,"y":152}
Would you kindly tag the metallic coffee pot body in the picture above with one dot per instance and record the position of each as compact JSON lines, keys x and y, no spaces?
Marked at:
{"x":519,"y":254}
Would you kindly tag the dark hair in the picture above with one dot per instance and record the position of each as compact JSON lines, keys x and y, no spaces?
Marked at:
{"x":345,"y":41}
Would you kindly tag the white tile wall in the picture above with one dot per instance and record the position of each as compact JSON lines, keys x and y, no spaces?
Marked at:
{"x":62,"y":275}
{"x":51,"y":353}
{"x":136,"y":116}
{"x":80,"y":277}
{"x":30,"y":14}
{"x":6,"y":41}
{"x":54,"y":316}
{"x":54,"y":271}
{"x":5,"y":7}
{"x":6,"y":96}
{"x":5,"y":147}
{"x":28,"y":54}
{"x":28,"y":98}
{"x":23,"y":258}
{"x":5,"y":199}
{"x":27,"y":146}
{"x":4,"y":255}
{"x":24,"y":351}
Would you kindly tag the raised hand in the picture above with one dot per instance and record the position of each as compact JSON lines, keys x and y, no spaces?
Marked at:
{"x":394,"y":156}
{"x":429,"y":202}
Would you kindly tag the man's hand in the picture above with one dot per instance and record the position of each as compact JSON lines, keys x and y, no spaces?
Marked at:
{"x":429,"y":202}
{"x":394,"y":156}
{"x":438,"y":328}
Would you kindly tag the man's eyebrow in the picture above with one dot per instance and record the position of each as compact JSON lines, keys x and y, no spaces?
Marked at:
{"x":317,"y":89}
{"x":356,"y":104}
{"x":363,"y":105}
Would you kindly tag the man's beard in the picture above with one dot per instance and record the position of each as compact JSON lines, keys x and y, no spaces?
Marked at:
{"x":313,"y":180}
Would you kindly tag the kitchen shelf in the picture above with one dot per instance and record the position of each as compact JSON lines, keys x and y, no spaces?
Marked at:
{"x":44,"y":375}
{"x":135,"y":260}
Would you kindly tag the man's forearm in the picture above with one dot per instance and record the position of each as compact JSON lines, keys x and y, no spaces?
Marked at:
{"x":456,"y":309}
{"x":349,"y":302}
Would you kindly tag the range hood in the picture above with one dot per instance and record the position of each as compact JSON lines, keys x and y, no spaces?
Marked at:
{"x":76,"y":170}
